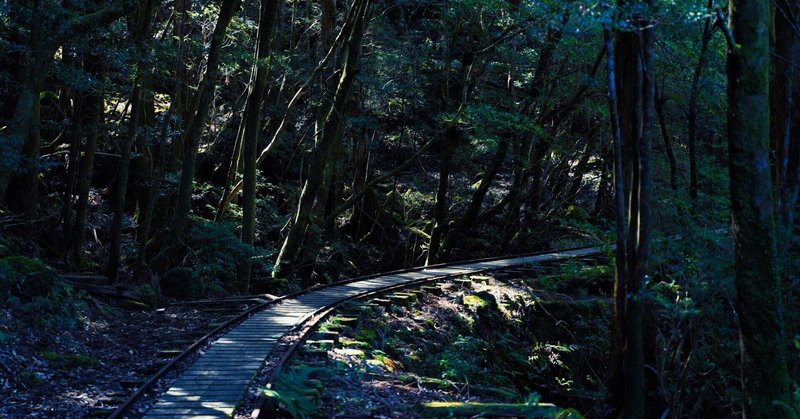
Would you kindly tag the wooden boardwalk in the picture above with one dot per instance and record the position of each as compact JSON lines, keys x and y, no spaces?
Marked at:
{"x":218,"y":380}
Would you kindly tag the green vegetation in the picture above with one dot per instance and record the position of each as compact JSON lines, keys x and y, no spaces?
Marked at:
{"x":68,"y":361}
{"x":197,"y":148}
{"x":34,"y":291}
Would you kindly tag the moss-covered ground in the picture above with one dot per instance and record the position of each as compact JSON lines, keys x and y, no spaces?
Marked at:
{"x":511,"y":342}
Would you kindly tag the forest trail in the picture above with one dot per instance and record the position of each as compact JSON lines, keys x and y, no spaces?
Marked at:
{"x":214,"y":385}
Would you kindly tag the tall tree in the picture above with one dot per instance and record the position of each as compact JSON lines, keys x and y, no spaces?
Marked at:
{"x":705,"y":38}
{"x":139,"y":28}
{"x":195,"y":125}
{"x":252,"y":125}
{"x":632,"y":87}
{"x":19,"y":142}
{"x":784,"y":129}
{"x":765,"y":379}
{"x":332,"y":130}
{"x":93,"y":111}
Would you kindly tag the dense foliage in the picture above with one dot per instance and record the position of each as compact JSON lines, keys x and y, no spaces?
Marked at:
{"x":195,"y":147}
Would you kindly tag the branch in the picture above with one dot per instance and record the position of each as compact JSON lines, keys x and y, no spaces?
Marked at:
{"x":720,"y":23}
{"x":227,"y":199}
{"x":82,"y":24}
{"x":352,"y":200}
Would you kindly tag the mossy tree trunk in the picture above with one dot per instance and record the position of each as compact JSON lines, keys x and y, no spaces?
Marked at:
{"x":197,"y":120}
{"x":765,"y":379}
{"x":332,"y":130}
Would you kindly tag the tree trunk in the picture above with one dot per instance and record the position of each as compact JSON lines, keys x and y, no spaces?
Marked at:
{"x":183,"y":103}
{"x":784,"y":138}
{"x":673,"y":165}
{"x":474,"y":206}
{"x":22,"y":130}
{"x":200,"y":108}
{"x":452,"y":137}
{"x":93,"y":106}
{"x":765,"y":378}
{"x":332,"y":130}
{"x":252,"y":128}
{"x":139,"y":27}
{"x":632,"y":70}
{"x":693,"y":92}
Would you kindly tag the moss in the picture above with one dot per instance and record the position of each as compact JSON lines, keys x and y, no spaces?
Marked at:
{"x":576,"y":213}
{"x":68,"y":361}
{"x":366,"y":335}
{"x":474,"y":302}
{"x":355,"y":344}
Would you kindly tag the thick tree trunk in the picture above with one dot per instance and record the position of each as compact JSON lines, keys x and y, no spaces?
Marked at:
{"x":765,"y":379}
{"x":634,"y":87}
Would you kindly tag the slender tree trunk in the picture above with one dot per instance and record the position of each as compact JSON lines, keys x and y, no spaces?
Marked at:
{"x":76,"y":136}
{"x":332,"y":130}
{"x":160,"y":156}
{"x":200,"y":108}
{"x":252,"y":127}
{"x":784,"y":138}
{"x":673,"y":165}
{"x":694,"y":185}
{"x":765,"y":378}
{"x":474,"y":206}
{"x":183,"y":102}
{"x":615,"y":379}
{"x":440,"y":209}
{"x":139,"y":27}
{"x":144,"y":149}
{"x":93,"y":106}
{"x":123,"y":171}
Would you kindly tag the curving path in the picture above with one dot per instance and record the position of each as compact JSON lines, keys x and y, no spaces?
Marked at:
{"x":218,"y":380}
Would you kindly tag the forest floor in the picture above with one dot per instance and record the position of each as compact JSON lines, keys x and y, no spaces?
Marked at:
{"x":90,"y":367}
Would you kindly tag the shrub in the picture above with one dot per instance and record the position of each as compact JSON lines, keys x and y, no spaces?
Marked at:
{"x":36,"y":294}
